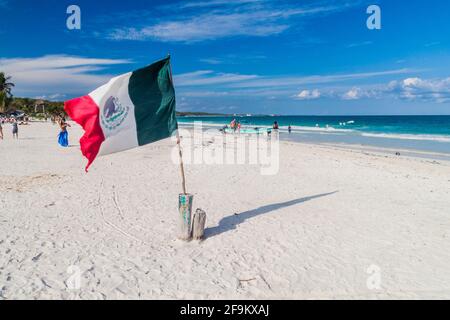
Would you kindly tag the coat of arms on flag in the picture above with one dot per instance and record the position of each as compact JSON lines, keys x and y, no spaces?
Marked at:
{"x":113,"y":113}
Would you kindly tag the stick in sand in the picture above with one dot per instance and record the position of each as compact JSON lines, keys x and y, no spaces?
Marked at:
{"x":184,"y":200}
{"x":184,"y":203}
{"x":183,"y":178}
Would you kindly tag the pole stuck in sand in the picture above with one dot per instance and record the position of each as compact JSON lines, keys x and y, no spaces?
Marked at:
{"x":180,"y":152}
{"x":185,"y":200}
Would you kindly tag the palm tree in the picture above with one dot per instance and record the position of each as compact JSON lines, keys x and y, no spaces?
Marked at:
{"x":5,"y":90}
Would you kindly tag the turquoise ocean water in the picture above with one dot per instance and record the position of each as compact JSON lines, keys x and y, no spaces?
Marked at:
{"x":420,"y":133}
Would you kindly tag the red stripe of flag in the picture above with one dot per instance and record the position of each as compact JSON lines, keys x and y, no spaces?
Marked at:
{"x":85,"y":112}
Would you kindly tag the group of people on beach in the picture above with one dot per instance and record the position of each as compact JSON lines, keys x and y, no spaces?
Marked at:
{"x":235,"y":126}
{"x":63,"y":136}
{"x":14,"y":125}
{"x":276,"y":126}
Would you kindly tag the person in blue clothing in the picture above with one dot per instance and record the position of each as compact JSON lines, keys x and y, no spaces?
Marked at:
{"x":63,"y":137}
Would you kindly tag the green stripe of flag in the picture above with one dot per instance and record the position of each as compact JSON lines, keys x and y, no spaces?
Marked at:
{"x":152,"y":93}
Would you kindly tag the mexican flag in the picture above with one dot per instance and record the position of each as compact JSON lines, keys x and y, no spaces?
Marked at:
{"x":131,"y":110}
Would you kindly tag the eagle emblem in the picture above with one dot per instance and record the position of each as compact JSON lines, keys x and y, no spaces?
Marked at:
{"x":114,"y":113}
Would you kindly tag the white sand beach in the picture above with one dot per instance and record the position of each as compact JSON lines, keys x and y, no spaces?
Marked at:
{"x":334,"y":223}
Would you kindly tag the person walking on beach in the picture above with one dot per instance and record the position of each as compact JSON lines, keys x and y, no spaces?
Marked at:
{"x":275,"y":126}
{"x":63,"y":137}
{"x":233,"y":125}
{"x":289,"y":129}
{"x":15,"y":129}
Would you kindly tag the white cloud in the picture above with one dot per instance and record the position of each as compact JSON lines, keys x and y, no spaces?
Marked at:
{"x":211,"y":60}
{"x":212,"y":3}
{"x":209,"y":77}
{"x":356,"y":93}
{"x":233,"y":59}
{"x":205,"y":27}
{"x":353,"y":94}
{"x":52,"y":97}
{"x":432,"y":44}
{"x":317,"y":79}
{"x":203,"y":94}
{"x":437,"y":90}
{"x":52,"y":74}
{"x":309,"y":95}
{"x":246,"y":20}
{"x":412,"y":82}
{"x":411,"y":89}
{"x":360,"y":44}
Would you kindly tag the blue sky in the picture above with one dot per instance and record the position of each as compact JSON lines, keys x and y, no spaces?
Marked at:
{"x":240,"y":56}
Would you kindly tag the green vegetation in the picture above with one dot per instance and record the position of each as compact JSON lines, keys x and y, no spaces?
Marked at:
{"x":5,"y":91}
{"x":28,"y":105}
{"x":33,"y":107}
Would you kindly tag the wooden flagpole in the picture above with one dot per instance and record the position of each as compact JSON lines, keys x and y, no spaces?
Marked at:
{"x":185,"y":200}
{"x":183,"y":178}
{"x":180,"y":152}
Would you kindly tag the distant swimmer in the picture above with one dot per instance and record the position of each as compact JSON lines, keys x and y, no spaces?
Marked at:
{"x":233,"y":125}
{"x":275,"y":126}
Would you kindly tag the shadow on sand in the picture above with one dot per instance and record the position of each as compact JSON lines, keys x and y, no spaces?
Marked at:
{"x":229,"y":223}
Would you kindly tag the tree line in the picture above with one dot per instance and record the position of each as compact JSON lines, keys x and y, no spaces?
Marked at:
{"x":9,"y":103}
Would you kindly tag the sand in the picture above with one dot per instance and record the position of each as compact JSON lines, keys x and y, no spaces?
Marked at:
{"x":334,"y":223}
